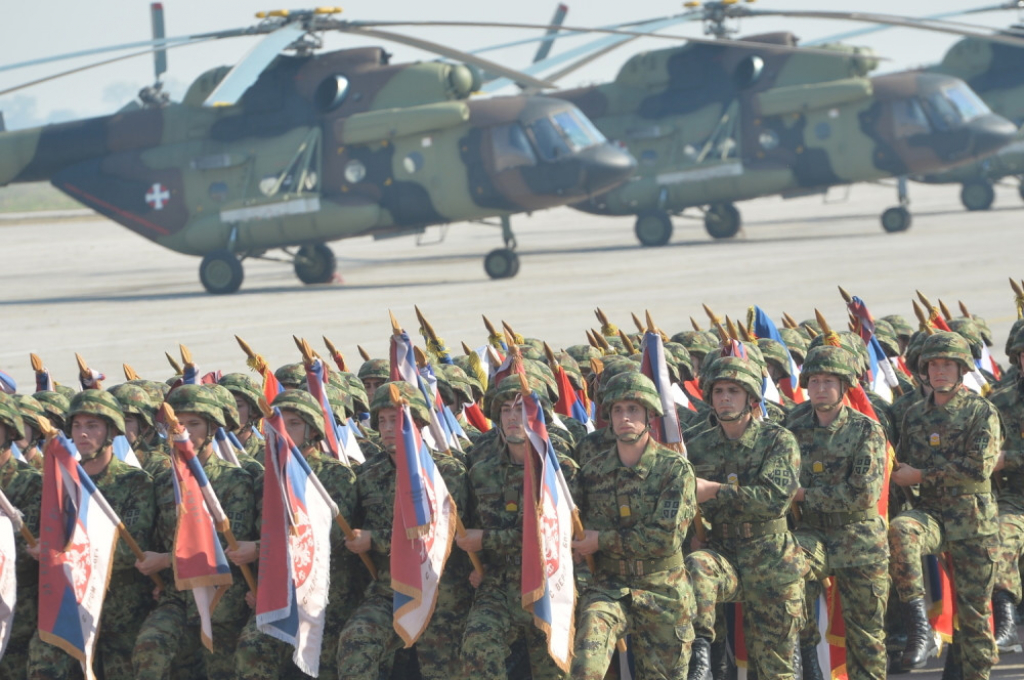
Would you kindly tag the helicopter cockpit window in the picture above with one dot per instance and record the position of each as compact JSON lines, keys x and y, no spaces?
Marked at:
{"x":331,"y":93}
{"x":909,"y":118}
{"x":573,"y":132}
{"x":967,"y":102}
{"x":941,"y":112}
{"x":511,"y":147}
{"x":549,"y":142}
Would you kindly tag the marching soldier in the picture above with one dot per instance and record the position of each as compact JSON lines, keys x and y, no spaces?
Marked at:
{"x":747,"y":473}
{"x":949,"y":445}
{"x":842,"y":470}
{"x":637,"y":499}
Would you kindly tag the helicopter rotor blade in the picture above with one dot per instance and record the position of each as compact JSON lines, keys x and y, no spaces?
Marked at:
{"x":246,"y":71}
{"x":156,"y":11}
{"x":544,"y":49}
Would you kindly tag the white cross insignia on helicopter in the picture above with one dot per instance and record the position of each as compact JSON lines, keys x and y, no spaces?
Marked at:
{"x":157,"y":196}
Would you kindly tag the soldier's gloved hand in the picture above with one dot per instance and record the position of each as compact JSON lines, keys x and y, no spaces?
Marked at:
{"x":360,"y":541}
{"x":905,"y":475}
{"x":471,"y":541}
{"x":588,"y":545}
{"x":248,"y":551}
{"x":153,"y":563}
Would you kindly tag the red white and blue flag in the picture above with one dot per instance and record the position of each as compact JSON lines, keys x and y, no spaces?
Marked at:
{"x":422,"y":531}
{"x":295,"y":550}
{"x":883,"y":376}
{"x":7,"y":384}
{"x":44,"y":381}
{"x":78,"y":535}
{"x":10,"y":524}
{"x":403,"y":367}
{"x":987,"y":363}
{"x":92,"y":381}
{"x":764,"y":327}
{"x":548,"y":586}
{"x":316,"y":378}
{"x":665,"y":429}
{"x":197,"y":556}
{"x":569,"y":403}
{"x":124,"y":451}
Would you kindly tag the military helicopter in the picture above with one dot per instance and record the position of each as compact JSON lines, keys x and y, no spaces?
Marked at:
{"x":711,"y":125}
{"x":291,"y":151}
{"x":995,"y":71}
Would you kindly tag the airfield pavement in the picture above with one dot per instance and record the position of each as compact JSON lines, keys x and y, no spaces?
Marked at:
{"x":90,"y":286}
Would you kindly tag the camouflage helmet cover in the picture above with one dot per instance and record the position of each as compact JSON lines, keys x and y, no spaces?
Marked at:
{"x":97,"y":403}
{"x":379,"y":369}
{"x":31,"y":410}
{"x":775,"y":353}
{"x":197,"y":399}
{"x":1015,"y":346}
{"x":304,"y":404}
{"x":632,"y":386}
{"x":412,"y":395}
{"x":54,"y":403}
{"x":507,"y":390}
{"x":246,"y":387}
{"x":291,"y":375}
{"x":900,"y":326}
{"x":135,"y":401}
{"x":946,"y":345}
{"x":832,"y":360}
{"x":735,"y":369}
{"x":227,"y":403}
{"x":796,"y":343}
{"x":11,"y":418}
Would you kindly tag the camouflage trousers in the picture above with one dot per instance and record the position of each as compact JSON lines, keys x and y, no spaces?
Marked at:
{"x":1011,"y":544}
{"x":773,"y":613}
{"x":166,"y":637}
{"x":863,"y":593}
{"x":14,"y":663}
{"x":916,"y":533}
{"x":438,"y":648}
{"x":496,"y":620}
{"x":659,"y":626}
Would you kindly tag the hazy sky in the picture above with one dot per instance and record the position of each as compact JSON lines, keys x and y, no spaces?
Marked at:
{"x":40,"y":29}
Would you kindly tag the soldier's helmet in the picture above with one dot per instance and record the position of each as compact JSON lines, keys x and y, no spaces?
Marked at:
{"x":290,"y":375}
{"x":31,"y":410}
{"x":452,"y":381}
{"x":1017,"y":325}
{"x":227,"y":403}
{"x":155,"y":389}
{"x":680,"y":360}
{"x":68,"y":392}
{"x":913,"y":353}
{"x":56,"y":406}
{"x":305,"y":406}
{"x":796,"y":343}
{"x":900,"y":325}
{"x":379,"y":369}
{"x":984,"y":328}
{"x":1015,"y":346}
{"x":341,"y":403}
{"x":633,"y":386}
{"x":410,"y":394}
{"x":828,"y":359}
{"x":508,"y":389}
{"x":583,"y":354}
{"x":697,"y":343}
{"x":853,"y":344}
{"x":11,"y":418}
{"x":775,"y":354}
{"x":351,"y":383}
{"x":244,"y":386}
{"x":135,"y":401}
{"x":97,"y":403}
{"x":887,"y":338}
{"x":572,"y":369}
{"x":613,"y":366}
{"x":197,"y":399}
{"x":968,"y":329}
{"x":946,"y":345}
{"x":736,"y":369}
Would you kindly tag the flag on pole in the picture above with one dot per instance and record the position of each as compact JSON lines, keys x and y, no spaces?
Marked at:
{"x":987,"y":363}
{"x":223,"y":447}
{"x":78,"y":535}
{"x":10,"y":524}
{"x":316,"y":378}
{"x":403,"y":367}
{"x":295,"y":550}
{"x":422,"y":531}
{"x":569,"y":403}
{"x":764,"y":327}
{"x":197,"y":557}
{"x":124,"y":452}
{"x":548,"y":585}
{"x":665,"y":429}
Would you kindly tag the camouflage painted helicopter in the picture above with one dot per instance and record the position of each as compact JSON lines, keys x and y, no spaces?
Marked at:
{"x":292,"y":151}
{"x":711,"y":125}
{"x":995,"y":71}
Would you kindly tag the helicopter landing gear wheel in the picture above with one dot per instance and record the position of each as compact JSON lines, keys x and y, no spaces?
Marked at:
{"x":896,"y":219}
{"x":977,"y":195}
{"x":653,"y":228}
{"x":315,"y":264}
{"x":221,"y":273}
{"x":722,"y":220}
{"x":501,"y":264}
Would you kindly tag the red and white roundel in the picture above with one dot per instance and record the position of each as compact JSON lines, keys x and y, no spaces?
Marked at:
{"x":302,"y":547}
{"x":79,"y":563}
{"x":158,"y":196}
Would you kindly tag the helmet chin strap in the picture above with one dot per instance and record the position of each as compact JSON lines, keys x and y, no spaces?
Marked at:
{"x":634,"y":438}
{"x":828,"y":408}
{"x":738,"y":416}
{"x":952,"y":388}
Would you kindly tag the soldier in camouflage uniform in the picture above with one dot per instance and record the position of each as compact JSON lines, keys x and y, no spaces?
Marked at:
{"x":368,"y":640}
{"x":172,"y":629}
{"x":23,"y":486}
{"x":1009,"y":400}
{"x":140,"y":427}
{"x":56,"y":406}
{"x":259,"y":656}
{"x":374,"y":373}
{"x":636,"y":500}
{"x":497,"y":617}
{"x":843,"y":458}
{"x":747,"y":473}
{"x":948,"y":446}
{"x":94,"y":419}
{"x":31,"y":411}
{"x":247,"y":394}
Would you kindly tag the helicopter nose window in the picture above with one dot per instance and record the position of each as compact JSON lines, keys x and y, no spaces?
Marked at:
{"x":511,"y":147}
{"x":967,"y":102}
{"x":573,"y":132}
{"x":550,"y":144}
{"x":909,"y":118}
{"x":941,"y":112}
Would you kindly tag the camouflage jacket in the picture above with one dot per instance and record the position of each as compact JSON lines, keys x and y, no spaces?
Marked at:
{"x":641,"y":513}
{"x":23,"y":486}
{"x":375,"y":484}
{"x":842,"y":470}
{"x":955,"y":446}
{"x":496,"y":505}
{"x":900,"y":407}
{"x":1009,"y":401}
{"x":760,"y":474}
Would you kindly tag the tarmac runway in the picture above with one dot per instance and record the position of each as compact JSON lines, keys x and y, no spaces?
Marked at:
{"x":90,"y":286}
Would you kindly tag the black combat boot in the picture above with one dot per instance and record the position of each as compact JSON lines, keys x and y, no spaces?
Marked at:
{"x":1006,"y":630}
{"x":700,"y":659}
{"x":920,"y":637}
{"x":953,"y":669}
{"x":719,"y":660}
{"x":809,"y":659}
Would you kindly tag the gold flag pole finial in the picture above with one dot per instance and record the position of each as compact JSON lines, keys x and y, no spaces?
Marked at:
{"x":362,"y":352}
{"x":129,"y":372}
{"x":626,"y":342}
{"x":926,"y":325}
{"x":963,"y":310}
{"x":945,"y":310}
{"x":846,"y":296}
{"x":696,"y":326}
{"x":396,"y":329}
